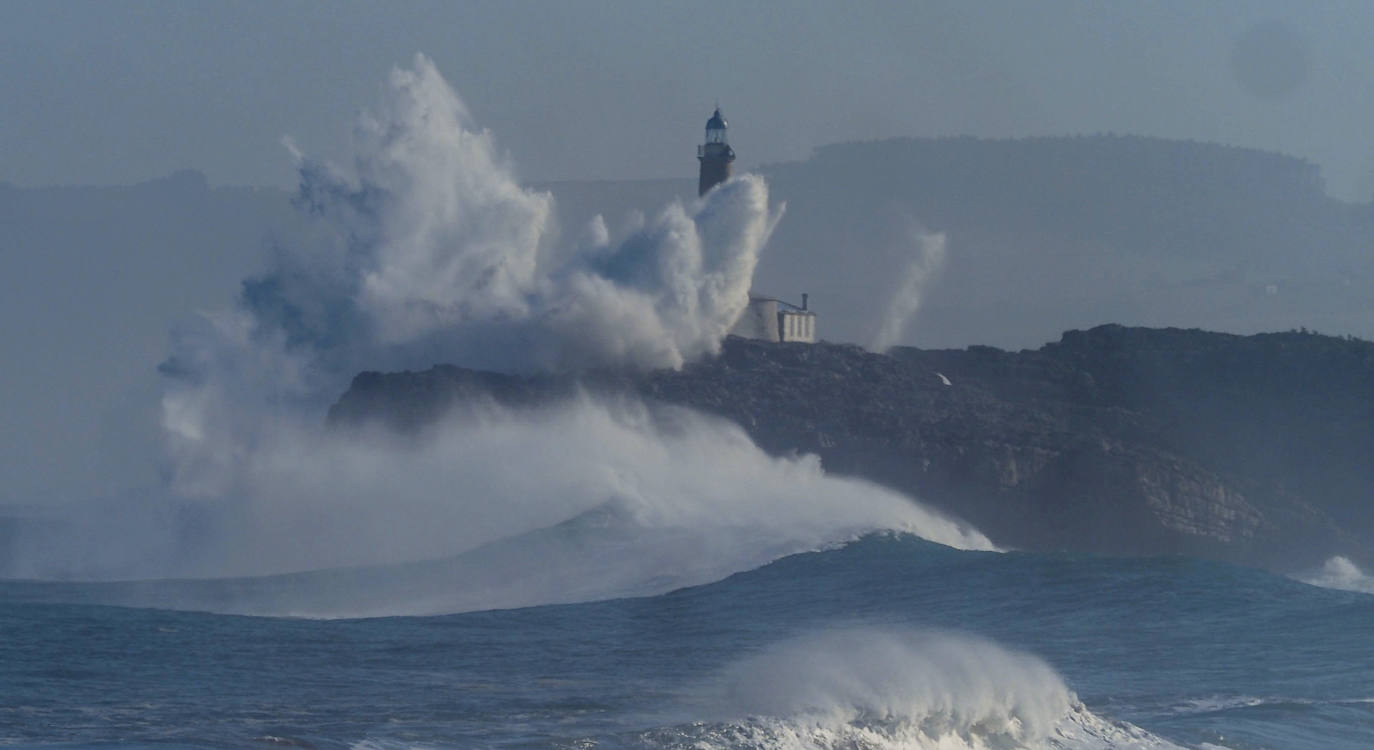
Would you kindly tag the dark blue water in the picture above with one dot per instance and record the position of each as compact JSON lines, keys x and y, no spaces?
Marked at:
{"x":905,"y":638}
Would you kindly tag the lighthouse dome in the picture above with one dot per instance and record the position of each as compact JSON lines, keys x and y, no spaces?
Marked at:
{"x":717,"y":121}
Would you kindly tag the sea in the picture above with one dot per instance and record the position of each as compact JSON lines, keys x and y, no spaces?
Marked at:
{"x":885,"y":640}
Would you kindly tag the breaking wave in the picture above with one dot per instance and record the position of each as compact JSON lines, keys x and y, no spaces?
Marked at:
{"x":892,"y":688}
{"x":500,"y":508}
{"x":1340,"y":573}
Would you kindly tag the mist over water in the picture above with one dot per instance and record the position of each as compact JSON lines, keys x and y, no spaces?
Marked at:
{"x":426,"y":249}
{"x":304,"y":499}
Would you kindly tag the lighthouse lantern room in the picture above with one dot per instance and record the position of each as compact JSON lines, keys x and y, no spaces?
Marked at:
{"x":715,"y":155}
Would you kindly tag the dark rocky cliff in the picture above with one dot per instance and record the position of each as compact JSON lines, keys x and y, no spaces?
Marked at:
{"x":1112,"y":441}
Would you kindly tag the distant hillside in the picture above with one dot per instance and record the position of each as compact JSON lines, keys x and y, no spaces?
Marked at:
{"x":1111,"y":441}
{"x":1047,"y":234}
{"x":1129,"y":193}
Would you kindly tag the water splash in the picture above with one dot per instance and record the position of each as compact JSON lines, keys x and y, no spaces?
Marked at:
{"x":928,"y":257}
{"x":1340,"y":573}
{"x":897,"y":688}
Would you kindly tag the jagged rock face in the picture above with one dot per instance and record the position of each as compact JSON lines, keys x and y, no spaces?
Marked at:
{"x":1111,"y":441}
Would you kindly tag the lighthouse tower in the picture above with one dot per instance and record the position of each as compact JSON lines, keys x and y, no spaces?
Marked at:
{"x":715,"y":155}
{"x":764,"y":318}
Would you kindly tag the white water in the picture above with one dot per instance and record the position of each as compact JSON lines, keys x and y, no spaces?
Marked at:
{"x":894,"y":688}
{"x":426,"y":249}
{"x":1340,"y":573}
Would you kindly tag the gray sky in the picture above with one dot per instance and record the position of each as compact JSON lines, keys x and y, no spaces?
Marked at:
{"x":120,"y":92}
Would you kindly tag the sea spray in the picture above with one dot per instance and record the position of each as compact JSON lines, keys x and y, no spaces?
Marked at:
{"x":927,"y":259}
{"x":1340,"y":573}
{"x":428,"y":250}
{"x":928,"y":684}
{"x":424,"y":249}
{"x":887,"y":687}
{"x":371,"y":498}
{"x":589,"y":499}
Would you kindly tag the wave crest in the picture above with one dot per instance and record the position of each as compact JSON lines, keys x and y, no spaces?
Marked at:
{"x":887,"y":688}
{"x":919,"y":686}
{"x":1343,"y":574}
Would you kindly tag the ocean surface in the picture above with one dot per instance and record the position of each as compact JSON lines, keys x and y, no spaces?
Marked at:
{"x":885,"y":641}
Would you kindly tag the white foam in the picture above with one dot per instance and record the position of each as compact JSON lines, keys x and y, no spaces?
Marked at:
{"x":885,"y":688}
{"x":1217,"y":703}
{"x":1340,"y":573}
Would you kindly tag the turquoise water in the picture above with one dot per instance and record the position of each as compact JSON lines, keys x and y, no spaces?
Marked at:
{"x":889,"y":641}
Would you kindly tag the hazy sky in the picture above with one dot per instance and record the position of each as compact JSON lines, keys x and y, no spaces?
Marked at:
{"x":119,"y":92}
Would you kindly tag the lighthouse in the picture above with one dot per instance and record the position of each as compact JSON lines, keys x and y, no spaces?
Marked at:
{"x":764,"y":318}
{"x":715,"y":155}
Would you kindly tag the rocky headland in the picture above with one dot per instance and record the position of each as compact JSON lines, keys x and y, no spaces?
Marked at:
{"x":1115,"y":440}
